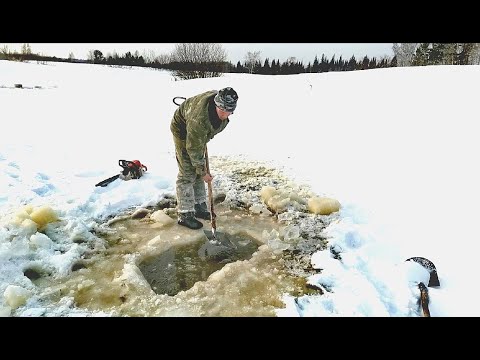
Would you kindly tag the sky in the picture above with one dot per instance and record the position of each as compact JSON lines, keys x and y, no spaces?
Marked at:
{"x":235,"y":51}
{"x":396,"y":147}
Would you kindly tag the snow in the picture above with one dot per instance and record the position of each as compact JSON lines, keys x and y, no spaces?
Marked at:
{"x":396,"y":147}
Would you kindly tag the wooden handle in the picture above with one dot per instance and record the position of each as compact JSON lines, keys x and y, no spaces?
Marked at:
{"x":210,"y":193}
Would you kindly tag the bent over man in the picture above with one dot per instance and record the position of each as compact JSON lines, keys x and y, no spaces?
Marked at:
{"x":196,"y":121}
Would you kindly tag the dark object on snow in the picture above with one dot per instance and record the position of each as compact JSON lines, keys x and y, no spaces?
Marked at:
{"x":131,"y":170}
{"x":424,"y":299}
{"x":219,"y":198}
{"x":427,"y":264}
{"x":18,"y":86}
{"x":336,"y":251}
{"x":178,"y":97}
{"x":105,"y":182}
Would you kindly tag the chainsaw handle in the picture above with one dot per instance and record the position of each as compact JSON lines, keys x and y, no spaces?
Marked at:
{"x":124,"y":163}
{"x":130,"y":164}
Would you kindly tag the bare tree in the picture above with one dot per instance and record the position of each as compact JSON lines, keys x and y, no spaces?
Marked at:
{"x":405,"y":53}
{"x":251,"y":59}
{"x":4,"y":51}
{"x":91,"y":56}
{"x":199,"y":60}
{"x":163,"y":59}
{"x":26,"y":50}
{"x":475,"y":54}
{"x":468,"y":53}
{"x":149,"y":56}
{"x":450,"y":53}
{"x":71,"y":56}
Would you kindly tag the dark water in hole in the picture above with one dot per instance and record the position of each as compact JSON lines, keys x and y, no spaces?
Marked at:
{"x":179,"y":268}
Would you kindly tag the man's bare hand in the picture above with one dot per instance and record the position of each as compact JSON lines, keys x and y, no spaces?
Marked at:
{"x":207,"y":178}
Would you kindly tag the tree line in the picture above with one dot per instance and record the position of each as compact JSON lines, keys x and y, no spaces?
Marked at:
{"x":421,"y":54}
{"x":201,"y":60}
{"x":194,"y":60}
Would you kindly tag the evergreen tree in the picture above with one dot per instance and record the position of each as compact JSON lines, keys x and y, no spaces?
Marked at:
{"x":352,"y":63}
{"x":266,"y":67}
{"x":324,"y":64}
{"x":276,"y":70}
{"x":331,"y":65}
{"x":239,"y":67}
{"x":437,"y":53}
{"x":339,"y":66}
{"x":466,"y":50}
{"x":450,"y":56}
{"x":421,"y":55}
{"x":393,"y":63}
{"x":316,"y":65}
{"x":365,"y":63}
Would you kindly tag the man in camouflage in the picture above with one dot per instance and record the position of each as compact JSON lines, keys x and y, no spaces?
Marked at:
{"x":197,"y":120}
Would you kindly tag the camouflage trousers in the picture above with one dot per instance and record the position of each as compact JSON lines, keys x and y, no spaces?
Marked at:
{"x":190,"y":187}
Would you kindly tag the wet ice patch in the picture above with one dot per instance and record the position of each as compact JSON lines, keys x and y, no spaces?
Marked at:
{"x":179,"y":268}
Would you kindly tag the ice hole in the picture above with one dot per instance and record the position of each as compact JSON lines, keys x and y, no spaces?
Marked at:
{"x":180,"y":267}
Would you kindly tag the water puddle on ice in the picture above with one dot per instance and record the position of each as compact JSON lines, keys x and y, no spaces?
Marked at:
{"x":180,"y":267}
{"x":153,"y":269}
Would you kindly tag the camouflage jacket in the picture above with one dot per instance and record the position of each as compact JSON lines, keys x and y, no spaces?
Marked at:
{"x":192,"y":123}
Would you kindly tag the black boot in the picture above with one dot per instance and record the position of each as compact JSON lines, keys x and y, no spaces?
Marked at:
{"x":187,"y":219}
{"x":201,"y":211}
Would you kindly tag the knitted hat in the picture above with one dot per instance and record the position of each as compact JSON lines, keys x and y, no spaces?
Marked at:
{"x":226,"y":99}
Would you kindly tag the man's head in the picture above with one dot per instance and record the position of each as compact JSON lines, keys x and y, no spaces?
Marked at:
{"x":226,"y":99}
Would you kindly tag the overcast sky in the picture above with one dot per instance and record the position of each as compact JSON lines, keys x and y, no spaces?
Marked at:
{"x":236,"y":51}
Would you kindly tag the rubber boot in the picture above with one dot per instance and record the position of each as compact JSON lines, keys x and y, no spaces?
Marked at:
{"x":201,"y":211}
{"x":187,"y":219}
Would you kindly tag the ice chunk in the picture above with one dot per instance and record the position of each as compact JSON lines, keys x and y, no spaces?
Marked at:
{"x":5,"y":311}
{"x":159,"y":216}
{"x":155,"y":241}
{"x":29,"y":225}
{"x":323,"y":205}
{"x":140,"y":213}
{"x":285,"y":216}
{"x":266,"y":235}
{"x":43,"y":215}
{"x":277,"y":245}
{"x":41,"y":241}
{"x":256,"y":209}
{"x":16,"y":296}
{"x":291,"y":233}
{"x":267,"y":192}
